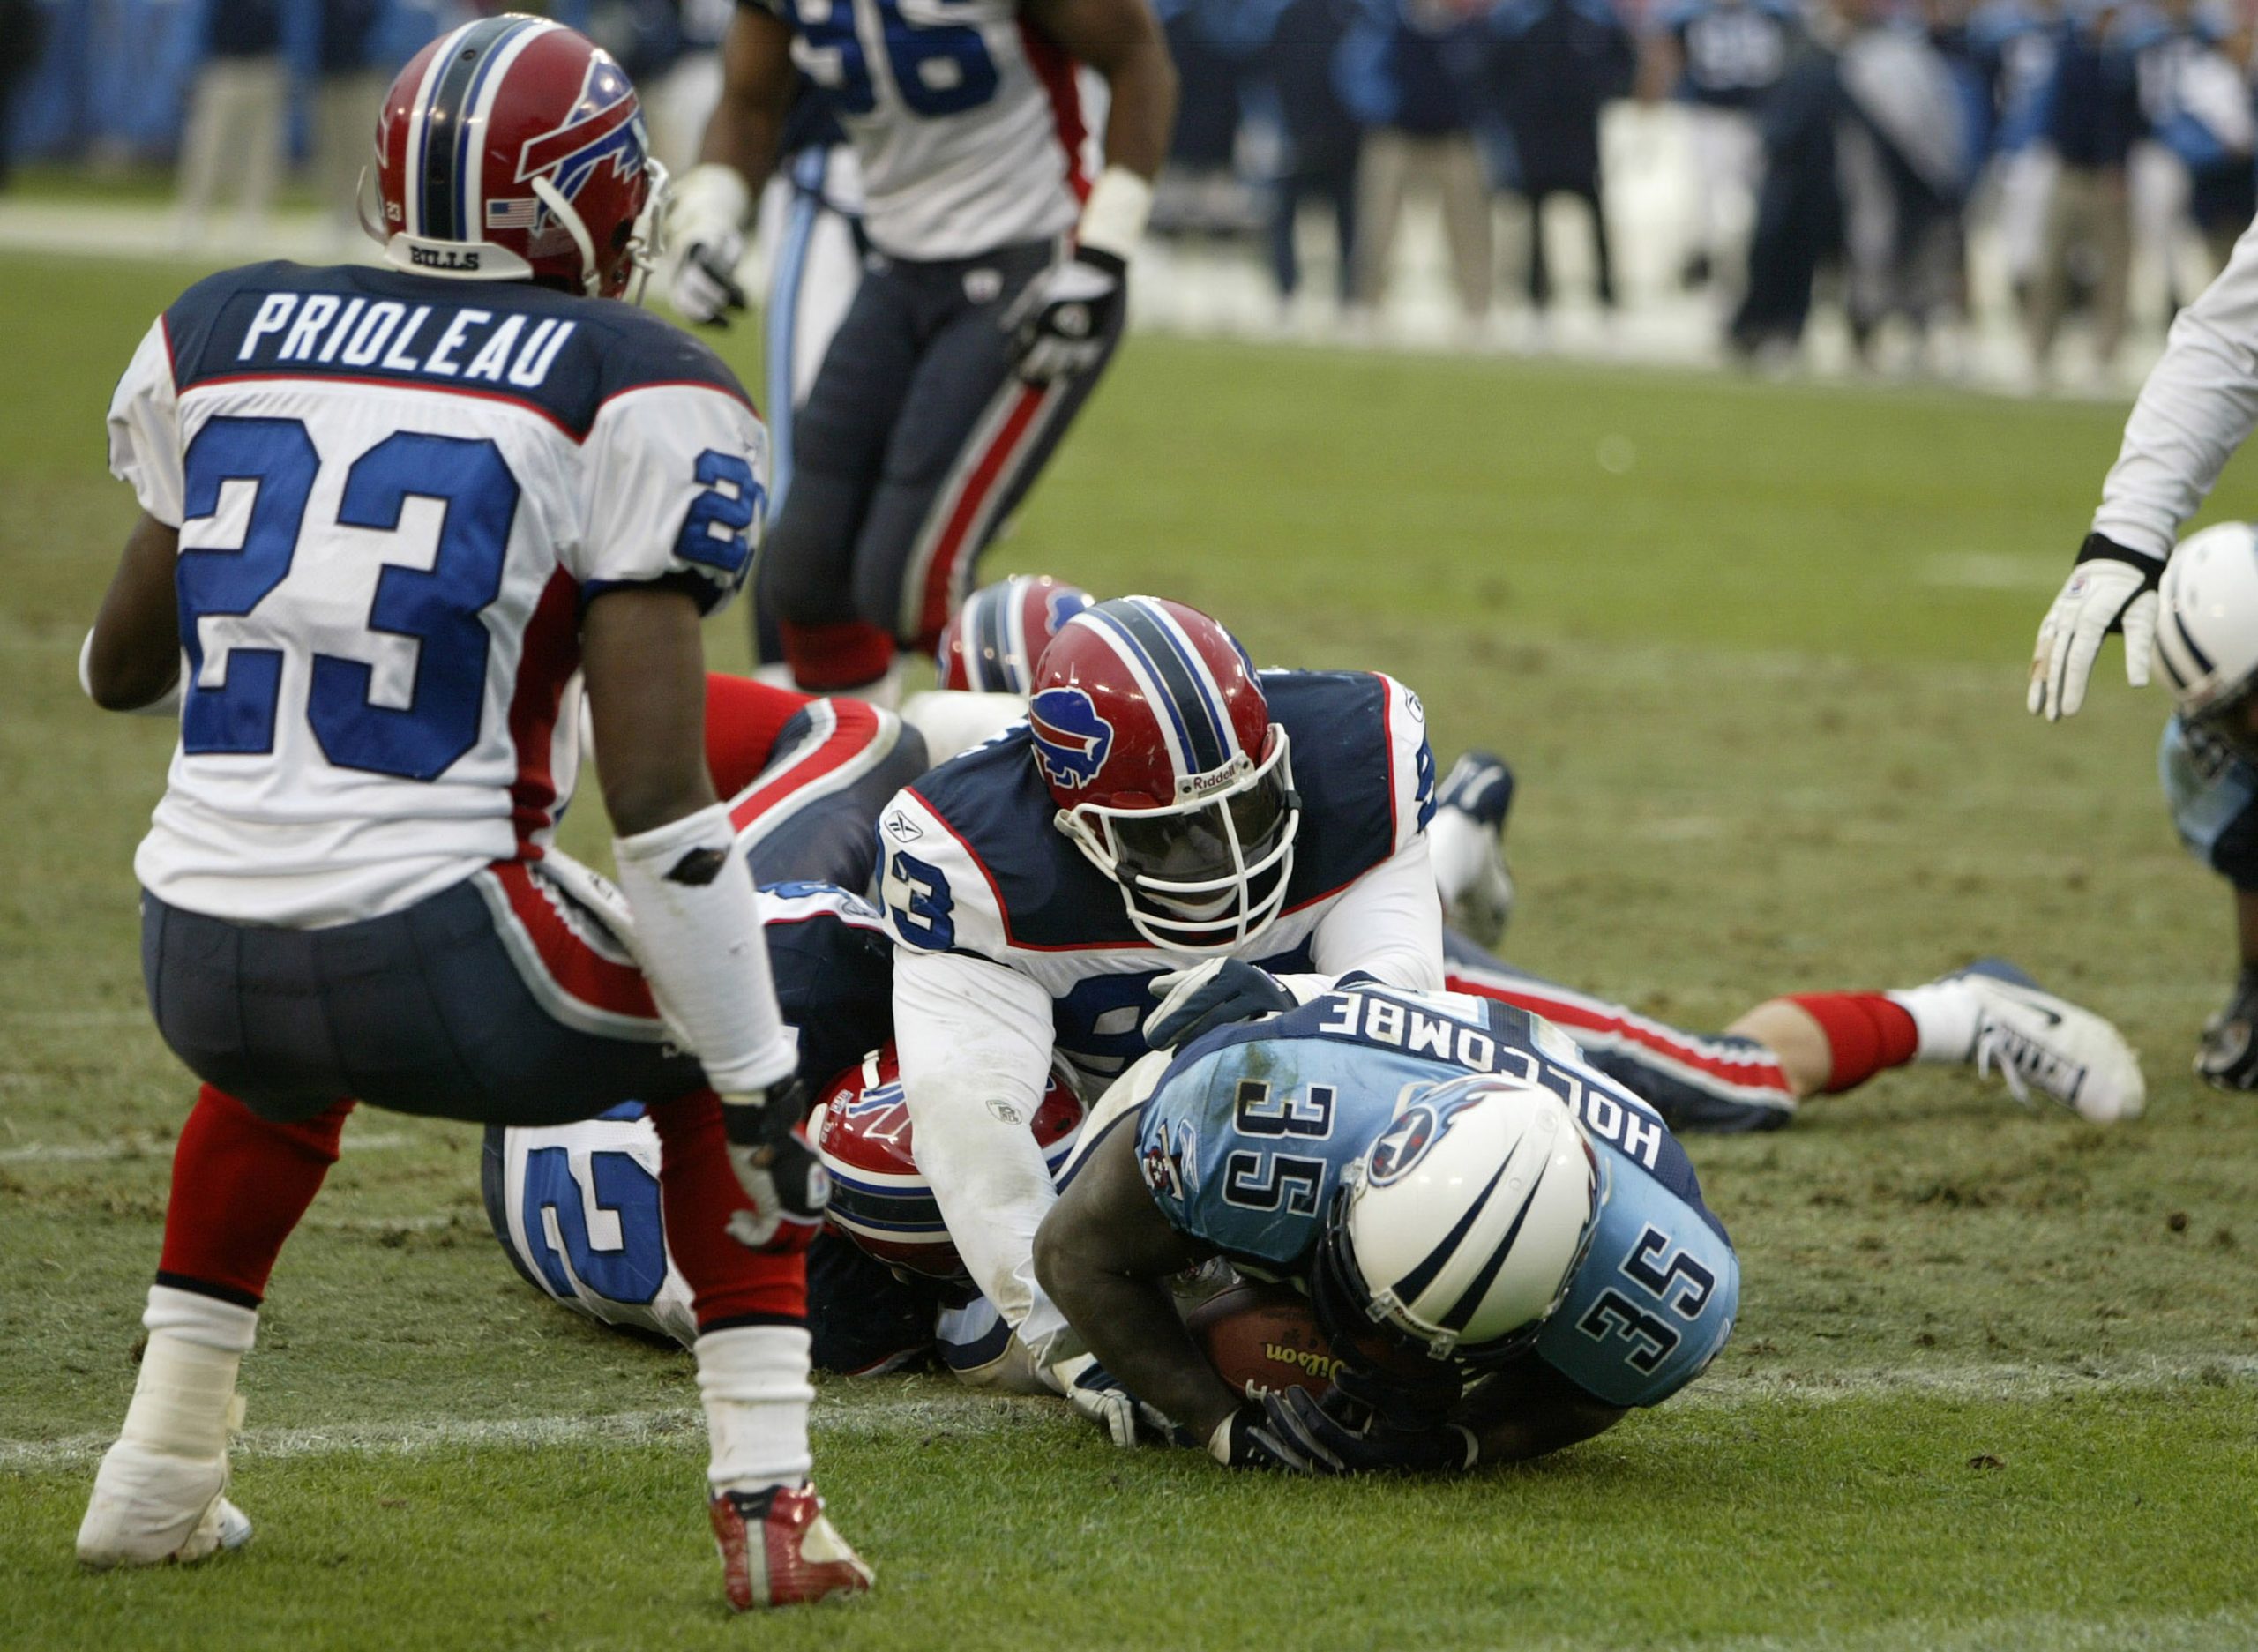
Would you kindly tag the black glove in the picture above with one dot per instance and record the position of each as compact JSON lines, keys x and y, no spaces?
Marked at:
{"x":1211,"y":995}
{"x":1321,"y":1431}
{"x":1064,"y":320}
{"x":778,"y":1170}
{"x":2227,"y":1059}
{"x":1244,"y":1440}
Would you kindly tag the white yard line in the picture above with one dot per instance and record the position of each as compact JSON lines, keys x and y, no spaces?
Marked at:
{"x":956,"y":1413}
{"x":104,"y":1152}
{"x":968,"y":1412}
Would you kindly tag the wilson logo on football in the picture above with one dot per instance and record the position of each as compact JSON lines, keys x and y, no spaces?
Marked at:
{"x":1308,"y":1361}
{"x":1071,"y":739}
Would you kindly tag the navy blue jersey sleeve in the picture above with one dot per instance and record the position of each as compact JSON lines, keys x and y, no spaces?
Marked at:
{"x":834,"y":967}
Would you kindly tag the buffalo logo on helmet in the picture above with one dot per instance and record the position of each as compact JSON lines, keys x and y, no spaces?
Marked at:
{"x":1060,"y":604}
{"x":1071,"y":741}
{"x":605,"y":124}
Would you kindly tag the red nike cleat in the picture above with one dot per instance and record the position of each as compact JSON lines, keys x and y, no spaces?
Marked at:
{"x":779,"y":1550}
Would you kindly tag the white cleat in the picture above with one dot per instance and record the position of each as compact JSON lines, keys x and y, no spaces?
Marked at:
{"x":1467,"y":841}
{"x":149,"y":1508}
{"x":2038,"y":1041}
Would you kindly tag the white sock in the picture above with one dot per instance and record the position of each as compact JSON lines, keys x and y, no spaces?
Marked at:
{"x":753,"y":1382}
{"x":1945,"y":1016}
{"x":1458,"y":847}
{"x":184,"y":1400}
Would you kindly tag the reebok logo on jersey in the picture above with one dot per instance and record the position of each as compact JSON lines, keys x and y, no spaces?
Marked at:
{"x":1071,"y":741}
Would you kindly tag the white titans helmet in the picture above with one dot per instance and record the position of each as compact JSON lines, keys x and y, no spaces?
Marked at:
{"x":1458,"y":1231}
{"x":2206,"y":635}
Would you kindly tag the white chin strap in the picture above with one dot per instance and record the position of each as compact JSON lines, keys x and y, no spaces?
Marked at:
{"x":561,"y":209}
{"x":483,"y":261}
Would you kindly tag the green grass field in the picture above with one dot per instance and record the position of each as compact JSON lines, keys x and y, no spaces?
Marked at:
{"x":1758,"y":654}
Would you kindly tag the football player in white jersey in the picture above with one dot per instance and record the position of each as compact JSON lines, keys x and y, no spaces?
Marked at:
{"x":1163,"y":805}
{"x":390,"y":516}
{"x":991,"y":299}
{"x":2199,"y":405}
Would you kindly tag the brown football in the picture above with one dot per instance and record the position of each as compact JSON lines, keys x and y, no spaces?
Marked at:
{"x":1262,"y":1338}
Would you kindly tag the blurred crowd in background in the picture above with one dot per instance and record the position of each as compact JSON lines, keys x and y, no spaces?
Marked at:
{"x":1850,"y":152}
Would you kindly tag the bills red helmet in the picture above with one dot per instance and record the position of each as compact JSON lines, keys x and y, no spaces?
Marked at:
{"x":879,"y":1199}
{"x":990,"y":644}
{"x":513,"y":149}
{"x":1152,"y":731}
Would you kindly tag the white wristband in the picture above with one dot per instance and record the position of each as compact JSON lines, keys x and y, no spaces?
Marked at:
{"x":709,"y":203}
{"x":1113,"y":218}
{"x":698,"y":930}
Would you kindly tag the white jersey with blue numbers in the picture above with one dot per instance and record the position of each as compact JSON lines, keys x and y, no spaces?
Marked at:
{"x":965,"y":118}
{"x":577,"y":1206}
{"x":395,"y":494}
{"x":1244,"y":1138}
{"x":576,"y":1209}
{"x":971,"y":864}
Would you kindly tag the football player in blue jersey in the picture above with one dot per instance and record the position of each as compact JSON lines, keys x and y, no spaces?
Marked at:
{"x":1506,"y":1249}
{"x":1163,"y":803}
{"x":392,"y":517}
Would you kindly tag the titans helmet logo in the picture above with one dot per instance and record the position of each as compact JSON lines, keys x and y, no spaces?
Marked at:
{"x":1071,"y":740}
{"x":1403,"y":1144}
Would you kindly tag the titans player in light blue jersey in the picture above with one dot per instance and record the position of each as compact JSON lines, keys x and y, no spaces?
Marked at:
{"x":1509,"y":1249}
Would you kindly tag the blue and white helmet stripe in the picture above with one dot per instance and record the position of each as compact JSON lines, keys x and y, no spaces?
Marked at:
{"x":445,"y":183}
{"x":1174,"y":679}
{"x":999,"y":639}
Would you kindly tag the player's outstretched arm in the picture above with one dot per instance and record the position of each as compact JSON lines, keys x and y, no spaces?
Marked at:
{"x":697,"y":924}
{"x":1067,"y":320}
{"x":1122,"y":41}
{"x":2199,"y":405}
{"x":1104,"y":1255}
{"x":132,"y":656}
{"x":712,"y":203}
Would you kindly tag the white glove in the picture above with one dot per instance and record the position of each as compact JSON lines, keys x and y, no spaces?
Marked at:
{"x":779,"y":1173}
{"x":1097,"y":1393}
{"x":2112,"y":589}
{"x":1063,"y":324}
{"x":705,"y":215}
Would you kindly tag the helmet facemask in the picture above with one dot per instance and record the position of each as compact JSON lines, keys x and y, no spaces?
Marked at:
{"x":1209,"y":872}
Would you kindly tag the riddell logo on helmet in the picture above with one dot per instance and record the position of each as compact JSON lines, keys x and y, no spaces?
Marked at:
{"x":1071,"y":740}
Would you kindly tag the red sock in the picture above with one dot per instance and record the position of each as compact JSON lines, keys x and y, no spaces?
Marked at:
{"x":845,"y":654}
{"x":240,"y":1186}
{"x":1866,"y":1034}
{"x":699,"y":1193}
{"x":742,"y":719}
